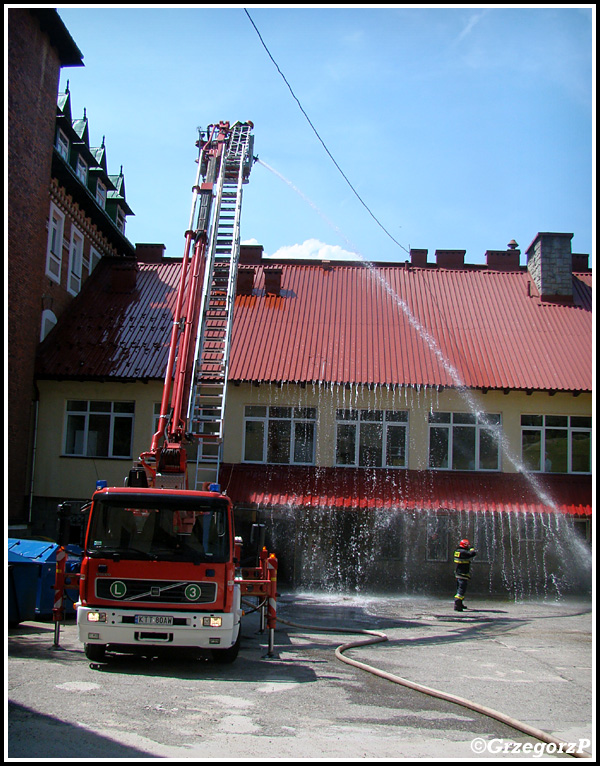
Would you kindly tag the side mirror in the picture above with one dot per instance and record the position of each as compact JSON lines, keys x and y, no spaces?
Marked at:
{"x":64,"y":524}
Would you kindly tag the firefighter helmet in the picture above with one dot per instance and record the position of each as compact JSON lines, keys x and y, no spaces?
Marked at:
{"x":464,"y":544}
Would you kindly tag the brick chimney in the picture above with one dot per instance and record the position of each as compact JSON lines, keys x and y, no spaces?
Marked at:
{"x":251,"y":255}
{"x":581,"y":262}
{"x":418,"y":257}
{"x":149,"y":253}
{"x":450,"y":259}
{"x":123,"y":275}
{"x":245,"y":279}
{"x":504,"y":260}
{"x":550,"y":265}
{"x":272,"y":280}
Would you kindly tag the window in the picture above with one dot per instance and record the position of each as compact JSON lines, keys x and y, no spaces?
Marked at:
{"x":62,"y":144}
{"x":121,"y":220}
{"x":437,"y":538}
{"x":56,"y":224}
{"x":101,"y":194}
{"x":195,"y":530}
{"x":75,"y":261}
{"x":556,"y":443}
{"x":371,"y":438}
{"x":49,"y":320}
{"x":279,"y":434}
{"x":99,"y":429}
{"x":464,"y":441}
{"x":94,"y":259}
{"x":530,"y":527}
{"x":483,"y":536}
{"x":81,"y":169}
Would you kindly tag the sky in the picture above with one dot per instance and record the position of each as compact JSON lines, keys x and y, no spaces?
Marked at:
{"x":377,"y":129}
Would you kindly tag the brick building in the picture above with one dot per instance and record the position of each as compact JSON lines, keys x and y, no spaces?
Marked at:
{"x":58,"y":225}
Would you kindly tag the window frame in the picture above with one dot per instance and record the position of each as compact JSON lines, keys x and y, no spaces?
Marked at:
{"x":75,"y":271}
{"x":437,"y":526}
{"x":543,"y":428}
{"x":120,"y":219}
{"x":101,"y":194}
{"x":269,"y":420}
{"x":49,"y":321}
{"x":56,"y":237}
{"x":481,"y":426}
{"x":81,"y":169}
{"x":62,"y":144}
{"x":349,"y":418}
{"x":87,"y":409}
{"x":94,"y":259}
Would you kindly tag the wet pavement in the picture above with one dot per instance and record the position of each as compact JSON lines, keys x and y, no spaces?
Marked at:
{"x":531,"y":661}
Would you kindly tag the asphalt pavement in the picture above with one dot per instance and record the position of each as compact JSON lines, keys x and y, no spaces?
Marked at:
{"x":530,"y":661}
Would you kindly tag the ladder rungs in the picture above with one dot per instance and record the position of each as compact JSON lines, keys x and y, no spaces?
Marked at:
{"x":208,"y":396}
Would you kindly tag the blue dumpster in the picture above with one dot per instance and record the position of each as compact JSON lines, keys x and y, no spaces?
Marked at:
{"x":43,"y":553}
{"x":22,"y":588}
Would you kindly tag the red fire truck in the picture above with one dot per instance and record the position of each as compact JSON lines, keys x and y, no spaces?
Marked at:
{"x":162,"y":564}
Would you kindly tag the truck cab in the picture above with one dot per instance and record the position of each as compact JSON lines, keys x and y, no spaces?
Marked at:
{"x":159,"y":571}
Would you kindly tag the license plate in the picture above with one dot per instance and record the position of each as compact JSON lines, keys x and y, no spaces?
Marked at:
{"x":153,"y":619}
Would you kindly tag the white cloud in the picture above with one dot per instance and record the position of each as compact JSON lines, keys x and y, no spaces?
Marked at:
{"x":313,"y":248}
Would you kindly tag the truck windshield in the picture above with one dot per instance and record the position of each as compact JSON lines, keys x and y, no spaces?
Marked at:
{"x":148,"y":528}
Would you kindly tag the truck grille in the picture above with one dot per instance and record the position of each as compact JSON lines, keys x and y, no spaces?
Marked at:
{"x":156,"y":591}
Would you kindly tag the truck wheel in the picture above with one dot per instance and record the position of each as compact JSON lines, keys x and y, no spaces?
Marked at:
{"x":95,"y":652}
{"x":226,"y":656}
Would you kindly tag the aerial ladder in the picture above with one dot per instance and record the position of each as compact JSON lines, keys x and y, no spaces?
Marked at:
{"x":162,"y":565}
{"x":194,"y":394}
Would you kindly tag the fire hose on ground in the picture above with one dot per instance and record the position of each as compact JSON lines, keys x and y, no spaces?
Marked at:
{"x":375,"y":637}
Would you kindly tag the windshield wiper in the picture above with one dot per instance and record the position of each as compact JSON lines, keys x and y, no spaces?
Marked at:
{"x":117,"y":553}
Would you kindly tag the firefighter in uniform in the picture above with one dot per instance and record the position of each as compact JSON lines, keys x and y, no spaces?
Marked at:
{"x":462,"y":558}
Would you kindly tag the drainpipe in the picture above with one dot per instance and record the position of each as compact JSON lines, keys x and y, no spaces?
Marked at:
{"x":33,"y":451}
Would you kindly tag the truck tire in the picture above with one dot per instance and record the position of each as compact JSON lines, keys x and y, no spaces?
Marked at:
{"x":227,"y":656}
{"x":95,"y":652}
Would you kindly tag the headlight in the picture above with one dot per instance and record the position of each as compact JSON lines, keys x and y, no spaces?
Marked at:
{"x":212,"y":622}
{"x":96,"y":617}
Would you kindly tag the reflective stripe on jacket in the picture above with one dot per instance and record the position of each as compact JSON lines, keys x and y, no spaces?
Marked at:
{"x":462,"y":559}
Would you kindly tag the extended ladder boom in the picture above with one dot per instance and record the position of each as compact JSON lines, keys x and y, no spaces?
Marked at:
{"x":196,"y":376}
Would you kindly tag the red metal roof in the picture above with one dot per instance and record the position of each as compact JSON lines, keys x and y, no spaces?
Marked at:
{"x":284,"y":487}
{"x":413,"y":326}
{"x":395,"y":325}
{"x":115,"y":334}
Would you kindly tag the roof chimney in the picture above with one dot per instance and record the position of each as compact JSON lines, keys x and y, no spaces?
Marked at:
{"x":251,"y":255}
{"x":123,"y":275}
{"x":272,"y":280}
{"x":418,"y":257}
{"x":245,"y":280}
{"x":581,"y":262}
{"x":149,"y":253}
{"x":504,"y":260}
{"x":450,"y":259}
{"x":550,"y":264}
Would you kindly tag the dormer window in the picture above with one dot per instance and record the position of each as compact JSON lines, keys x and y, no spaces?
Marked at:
{"x":121,"y":220}
{"x":82,"y":169}
{"x":101,"y":194}
{"x":62,"y":144}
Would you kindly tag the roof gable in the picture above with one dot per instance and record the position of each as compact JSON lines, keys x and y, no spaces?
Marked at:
{"x":81,"y":128}
{"x":63,"y":106}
